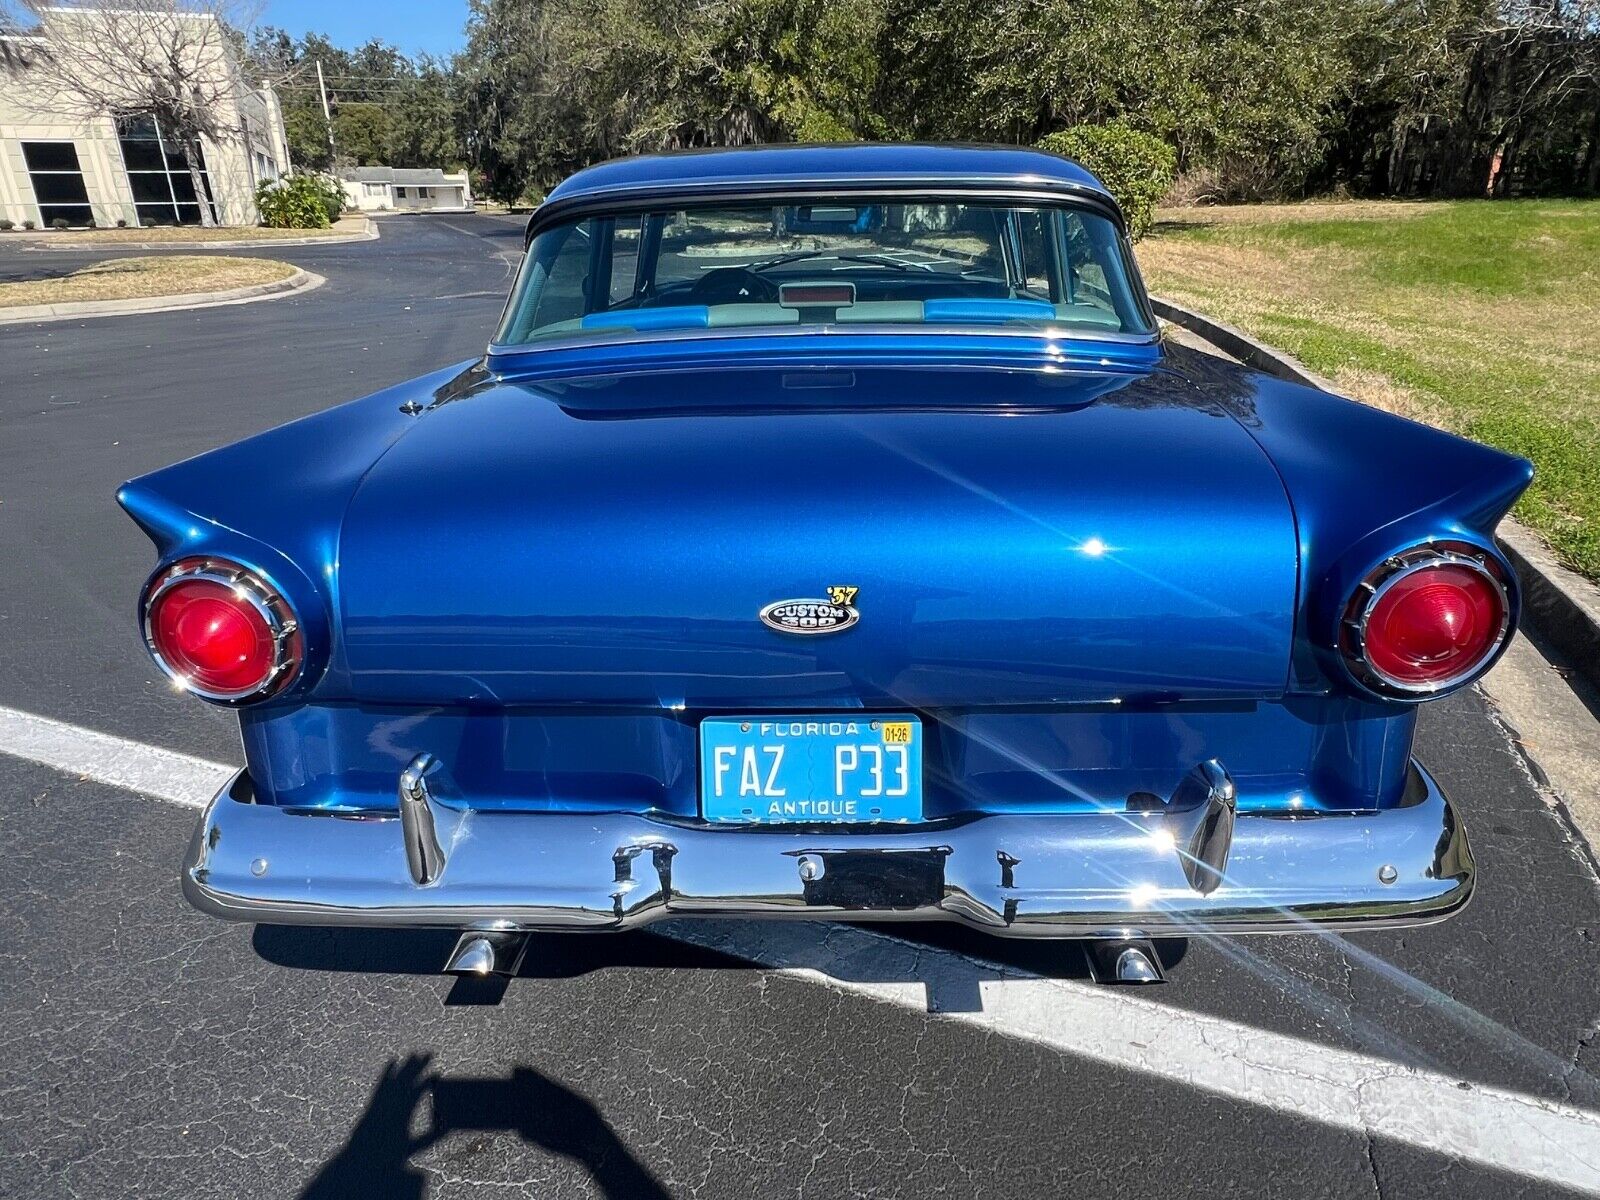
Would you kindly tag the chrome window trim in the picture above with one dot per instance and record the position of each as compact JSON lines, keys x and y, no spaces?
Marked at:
{"x":1380,"y":581}
{"x":617,"y":199}
{"x":881,"y":329}
{"x":639,"y":199}
{"x":262,"y":595}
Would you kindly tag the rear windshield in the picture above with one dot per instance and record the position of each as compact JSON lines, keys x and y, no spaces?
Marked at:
{"x":846,"y":264}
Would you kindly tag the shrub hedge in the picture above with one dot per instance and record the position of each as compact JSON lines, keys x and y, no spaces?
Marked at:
{"x":300,"y":202}
{"x":1136,"y":168}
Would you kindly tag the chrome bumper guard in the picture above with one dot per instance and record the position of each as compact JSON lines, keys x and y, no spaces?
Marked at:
{"x":1186,"y":866}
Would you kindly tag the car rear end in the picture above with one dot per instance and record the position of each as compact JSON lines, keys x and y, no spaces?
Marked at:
{"x":1012,"y":677}
{"x":865,"y":580}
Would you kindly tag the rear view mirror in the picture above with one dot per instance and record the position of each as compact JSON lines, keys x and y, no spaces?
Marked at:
{"x":833,"y":215}
{"x":832,"y":218}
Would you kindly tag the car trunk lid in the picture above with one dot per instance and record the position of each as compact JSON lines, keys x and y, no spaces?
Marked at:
{"x":1014,"y":536}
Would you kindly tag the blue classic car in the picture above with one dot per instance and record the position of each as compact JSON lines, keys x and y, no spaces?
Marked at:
{"x":829,"y":532}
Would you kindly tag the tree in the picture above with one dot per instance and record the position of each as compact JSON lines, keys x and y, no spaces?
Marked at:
{"x":361,"y":132}
{"x":810,"y":66}
{"x":387,"y":108}
{"x":307,"y":135}
{"x":548,"y":87}
{"x":423,"y":118}
{"x":172,"y":60}
{"x":1241,"y":88}
{"x":1268,"y":98}
{"x":553,"y":86}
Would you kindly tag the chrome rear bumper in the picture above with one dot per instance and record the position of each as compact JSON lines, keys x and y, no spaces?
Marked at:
{"x":1076,"y":875}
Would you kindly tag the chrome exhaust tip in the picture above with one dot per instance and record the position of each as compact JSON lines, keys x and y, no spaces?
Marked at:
{"x":1135,"y":966}
{"x":479,"y":954}
{"x":1131,"y":962}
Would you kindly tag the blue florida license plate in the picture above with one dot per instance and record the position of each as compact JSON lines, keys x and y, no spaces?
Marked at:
{"x":808,"y":769}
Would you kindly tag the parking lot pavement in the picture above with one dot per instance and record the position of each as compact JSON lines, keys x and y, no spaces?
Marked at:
{"x":87,"y":405}
{"x":145,"y":1050}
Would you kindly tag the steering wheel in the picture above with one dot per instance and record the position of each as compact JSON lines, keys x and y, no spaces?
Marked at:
{"x":731,"y":285}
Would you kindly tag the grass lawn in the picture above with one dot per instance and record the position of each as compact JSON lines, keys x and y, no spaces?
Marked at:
{"x":137,"y":278}
{"x":1479,"y":316}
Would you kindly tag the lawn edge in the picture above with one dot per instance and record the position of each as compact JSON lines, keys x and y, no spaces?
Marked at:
{"x":1564,"y":605}
{"x":43,"y":240}
{"x":24,"y":314}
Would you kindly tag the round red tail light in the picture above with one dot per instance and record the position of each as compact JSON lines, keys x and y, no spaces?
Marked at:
{"x":220,"y":630}
{"x":1427,"y":621}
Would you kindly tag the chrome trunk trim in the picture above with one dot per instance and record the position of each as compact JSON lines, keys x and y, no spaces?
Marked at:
{"x":1203,"y":810}
{"x":418,"y":828}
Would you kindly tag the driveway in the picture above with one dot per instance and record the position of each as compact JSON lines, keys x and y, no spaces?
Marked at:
{"x":145,"y":1050}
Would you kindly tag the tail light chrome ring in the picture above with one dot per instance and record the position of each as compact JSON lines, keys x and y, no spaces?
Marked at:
{"x":1354,"y":631}
{"x":245,"y":587}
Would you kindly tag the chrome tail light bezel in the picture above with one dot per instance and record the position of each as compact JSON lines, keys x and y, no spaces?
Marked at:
{"x":255,"y":589}
{"x":1377,"y":583}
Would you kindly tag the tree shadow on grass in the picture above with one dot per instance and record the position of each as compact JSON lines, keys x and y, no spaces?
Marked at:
{"x":36,"y":272}
{"x":376,"y":1158}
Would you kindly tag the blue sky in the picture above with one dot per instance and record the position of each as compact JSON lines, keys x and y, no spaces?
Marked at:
{"x":436,"y":26}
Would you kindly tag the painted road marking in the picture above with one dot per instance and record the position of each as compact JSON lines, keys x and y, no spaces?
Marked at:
{"x":1345,"y":1089}
{"x":1498,"y":1128}
{"x":163,"y":774}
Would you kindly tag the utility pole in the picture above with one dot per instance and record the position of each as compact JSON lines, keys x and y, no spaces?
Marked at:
{"x":326,"y":115}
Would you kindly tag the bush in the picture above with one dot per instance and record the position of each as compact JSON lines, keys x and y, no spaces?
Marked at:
{"x":122,"y":222}
{"x":299,"y":202}
{"x":7,"y":224}
{"x":1197,"y":186}
{"x":1136,"y":168}
{"x":60,"y":223}
{"x":332,"y":196}
{"x":28,"y":225}
{"x":147,"y":223}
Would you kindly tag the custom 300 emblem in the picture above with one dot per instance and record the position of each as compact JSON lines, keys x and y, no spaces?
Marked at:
{"x":833,"y":615}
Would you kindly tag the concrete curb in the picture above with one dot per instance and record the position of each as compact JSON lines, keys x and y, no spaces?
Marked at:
{"x":300,"y":281}
{"x":1563,"y":604}
{"x":68,"y":243}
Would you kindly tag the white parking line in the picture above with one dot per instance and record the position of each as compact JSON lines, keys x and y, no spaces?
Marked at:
{"x":1498,"y":1128}
{"x":1494,"y":1127}
{"x":164,"y":774}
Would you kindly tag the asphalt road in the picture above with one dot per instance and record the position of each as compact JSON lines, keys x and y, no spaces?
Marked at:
{"x":145,"y":1050}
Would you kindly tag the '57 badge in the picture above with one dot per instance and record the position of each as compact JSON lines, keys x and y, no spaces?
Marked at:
{"x":833,"y":615}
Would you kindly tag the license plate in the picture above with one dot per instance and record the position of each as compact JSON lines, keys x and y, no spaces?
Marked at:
{"x":835,"y":770}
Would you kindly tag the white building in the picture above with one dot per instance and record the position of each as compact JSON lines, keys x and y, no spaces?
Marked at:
{"x":405,"y":189}
{"x":58,"y":163}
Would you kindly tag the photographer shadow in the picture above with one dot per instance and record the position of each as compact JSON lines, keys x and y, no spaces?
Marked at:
{"x":376,"y":1159}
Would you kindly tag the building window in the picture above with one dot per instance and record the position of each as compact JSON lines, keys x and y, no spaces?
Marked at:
{"x":158,"y":175}
{"x":372,"y":189}
{"x":424,"y":193}
{"x":57,"y":182}
{"x":400,"y":193}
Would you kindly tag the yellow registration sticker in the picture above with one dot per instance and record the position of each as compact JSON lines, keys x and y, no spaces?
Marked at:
{"x":897,"y":733}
